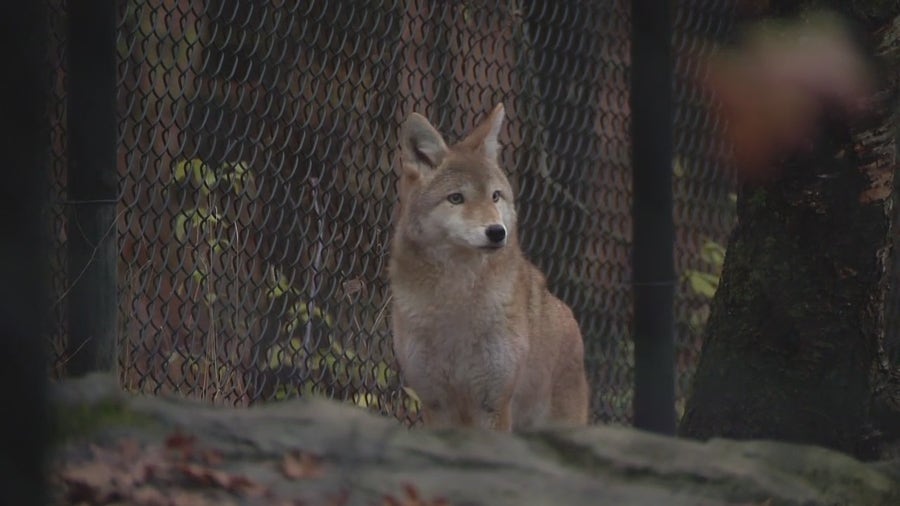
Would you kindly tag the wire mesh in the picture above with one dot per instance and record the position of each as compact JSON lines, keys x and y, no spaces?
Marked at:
{"x":56,"y":219}
{"x":256,"y":154}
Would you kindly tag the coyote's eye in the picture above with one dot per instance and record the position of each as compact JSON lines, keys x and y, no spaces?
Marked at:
{"x":497,"y":196}
{"x":455,"y":198}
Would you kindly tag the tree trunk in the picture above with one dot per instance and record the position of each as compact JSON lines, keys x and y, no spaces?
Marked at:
{"x":26,"y":426}
{"x":793,"y":345}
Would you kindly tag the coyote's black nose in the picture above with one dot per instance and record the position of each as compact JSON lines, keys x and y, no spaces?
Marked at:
{"x":495,"y":233}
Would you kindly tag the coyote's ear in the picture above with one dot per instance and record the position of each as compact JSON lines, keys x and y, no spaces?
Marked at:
{"x":420,"y":144}
{"x":485,"y":136}
{"x":495,"y":120}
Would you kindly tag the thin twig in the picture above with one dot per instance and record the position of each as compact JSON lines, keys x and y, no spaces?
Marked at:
{"x":90,"y":260}
{"x":317,"y":266}
{"x":380,"y":314}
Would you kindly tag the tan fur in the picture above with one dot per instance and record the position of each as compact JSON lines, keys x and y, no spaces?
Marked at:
{"x":477,"y":335}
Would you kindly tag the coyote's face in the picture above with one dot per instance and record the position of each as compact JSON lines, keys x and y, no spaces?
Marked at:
{"x":455,"y":196}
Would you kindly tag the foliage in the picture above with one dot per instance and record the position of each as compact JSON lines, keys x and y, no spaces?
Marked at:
{"x":340,"y":364}
{"x":308,"y":355}
{"x":702,"y":282}
{"x":705,"y":282}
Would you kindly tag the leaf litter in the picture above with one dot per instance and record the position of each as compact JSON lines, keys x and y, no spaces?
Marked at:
{"x":182,"y":472}
{"x":179,"y":472}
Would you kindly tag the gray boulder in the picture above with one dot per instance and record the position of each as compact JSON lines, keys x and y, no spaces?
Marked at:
{"x":316,"y":451}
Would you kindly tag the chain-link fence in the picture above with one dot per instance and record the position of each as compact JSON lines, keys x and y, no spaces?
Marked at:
{"x":256,"y":154}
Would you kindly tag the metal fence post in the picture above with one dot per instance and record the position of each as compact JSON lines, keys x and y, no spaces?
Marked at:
{"x":92,"y":186}
{"x":654,"y":234}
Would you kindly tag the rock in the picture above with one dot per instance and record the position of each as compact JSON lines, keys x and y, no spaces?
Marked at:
{"x":323,"y":452}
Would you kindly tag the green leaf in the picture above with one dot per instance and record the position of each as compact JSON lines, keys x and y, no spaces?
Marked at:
{"x":219,"y":245}
{"x":337,"y":349}
{"x":238,"y":175}
{"x":197,"y":172}
{"x":364,"y":400}
{"x":181,"y":226}
{"x":322,"y":316}
{"x":202,"y":218}
{"x":198,"y":216}
{"x":181,"y":171}
{"x":697,"y":319}
{"x":204,"y":176}
{"x":382,"y":373}
{"x":677,"y":168}
{"x":280,"y":283}
{"x":412,"y":394}
{"x":713,"y":253}
{"x":302,"y":311}
{"x":284,"y":354}
{"x":703,"y":283}
{"x":199,"y":276}
{"x":329,"y":360}
{"x":276,"y":287}
{"x":281,"y":393}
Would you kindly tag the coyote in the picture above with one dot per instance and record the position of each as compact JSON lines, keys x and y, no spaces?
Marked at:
{"x":477,"y":335}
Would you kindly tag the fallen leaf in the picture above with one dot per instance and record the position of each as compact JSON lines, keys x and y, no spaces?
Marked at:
{"x":128,"y":473}
{"x":182,"y":444}
{"x":301,"y":465}
{"x":186,"y":498}
{"x":89,"y":482}
{"x":240,"y":484}
{"x":211,"y":457}
{"x":412,"y":498}
{"x":353,"y":286}
{"x":205,"y":476}
{"x":149,"y":496}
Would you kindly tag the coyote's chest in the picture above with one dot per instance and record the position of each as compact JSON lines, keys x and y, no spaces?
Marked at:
{"x":455,"y":322}
{"x":461,"y":342}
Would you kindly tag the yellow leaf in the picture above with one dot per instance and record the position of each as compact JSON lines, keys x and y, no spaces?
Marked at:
{"x":181,"y":226}
{"x":713,"y":253}
{"x":703,"y":283}
{"x":180,"y":172}
{"x":412,"y":394}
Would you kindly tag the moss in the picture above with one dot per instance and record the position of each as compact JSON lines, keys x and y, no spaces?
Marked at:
{"x":83,"y":420}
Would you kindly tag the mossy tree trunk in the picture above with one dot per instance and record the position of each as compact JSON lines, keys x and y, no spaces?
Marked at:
{"x":792,"y":348}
